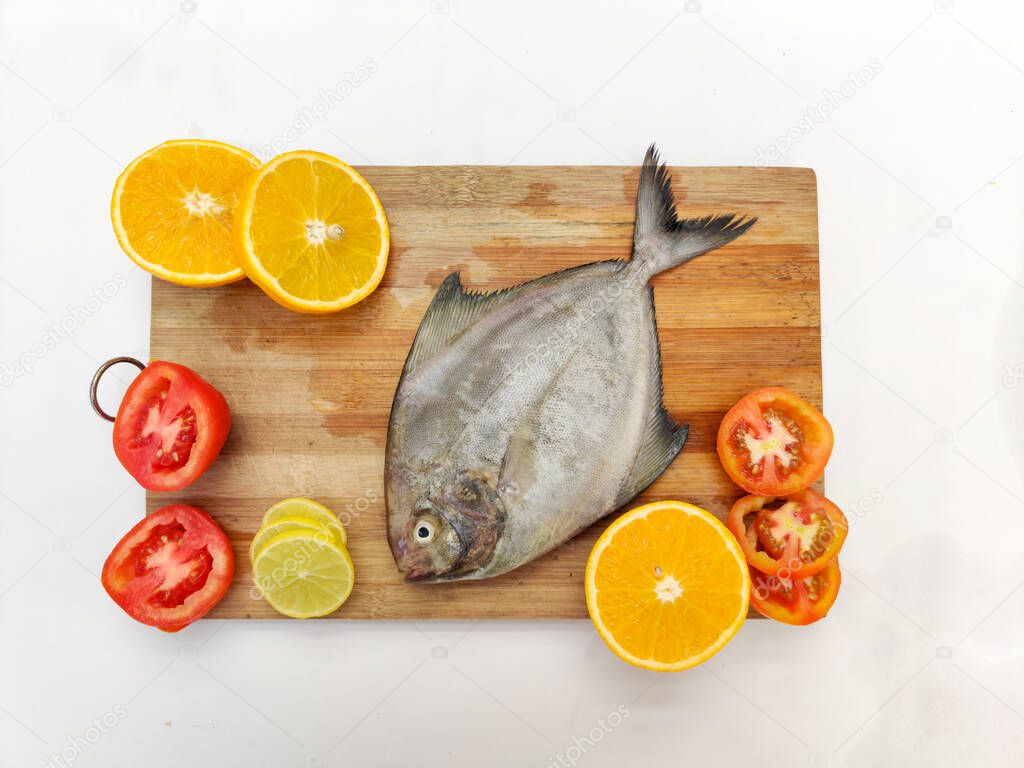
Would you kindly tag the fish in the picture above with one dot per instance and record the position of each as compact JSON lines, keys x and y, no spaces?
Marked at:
{"x":524,"y":415}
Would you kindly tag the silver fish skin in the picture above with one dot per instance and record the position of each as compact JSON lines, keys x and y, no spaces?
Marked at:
{"x":524,"y":415}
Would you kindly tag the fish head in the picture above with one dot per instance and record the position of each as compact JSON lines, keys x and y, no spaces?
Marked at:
{"x":448,"y":530}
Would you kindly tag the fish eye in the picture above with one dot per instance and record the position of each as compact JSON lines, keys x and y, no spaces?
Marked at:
{"x":424,"y":531}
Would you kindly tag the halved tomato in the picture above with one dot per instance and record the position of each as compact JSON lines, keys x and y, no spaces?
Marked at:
{"x":171,"y":568}
{"x":798,"y":536}
{"x":170,"y":427}
{"x":800,"y":600}
{"x":774,"y":443}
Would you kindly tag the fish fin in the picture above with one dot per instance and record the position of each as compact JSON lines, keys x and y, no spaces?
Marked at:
{"x":450,"y":312}
{"x":663,"y":438}
{"x":663,"y":441}
{"x":453,"y":309}
{"x":662,"y":241}
{"x":518,"y":470}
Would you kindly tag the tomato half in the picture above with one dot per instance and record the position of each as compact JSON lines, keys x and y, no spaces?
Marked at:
{"x":801,"y":600}
{"x":170,"y":427}
{"x":774,"y":443}
{"x":799,"y":535}
{"x":171,"y":568}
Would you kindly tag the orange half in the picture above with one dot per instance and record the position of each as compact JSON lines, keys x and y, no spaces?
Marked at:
{"x":667,"y":586}
{"x":173,"y":210}
{"x":311,"y":232}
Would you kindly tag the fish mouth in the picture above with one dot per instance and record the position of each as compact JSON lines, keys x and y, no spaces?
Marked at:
{"x":415,"y":568}
{"x":424,"y":572}
{"x":419,"y":575}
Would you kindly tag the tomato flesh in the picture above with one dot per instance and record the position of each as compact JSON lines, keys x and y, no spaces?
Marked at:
{"x":164,"y":549}
{"x":811,"y":529}
{"x":799,"y":536}
{"x":171,"y":568}
{"x":797,"y":600}
{"x":771,"y":444}
{"x":774,"y":443}
{"x":172,"y":434}
{"x":170,"y":427}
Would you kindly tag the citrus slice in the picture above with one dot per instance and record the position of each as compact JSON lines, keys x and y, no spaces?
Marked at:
{"x":311,"y":527}
{"x":303,"y":576}
{"x":316,"y":515}
{"x":310,"y":231}
{"x":667,"y":586}
{"x":173,"y":210}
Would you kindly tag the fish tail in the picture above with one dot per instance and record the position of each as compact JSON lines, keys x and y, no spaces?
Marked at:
{"x":660,"y":240}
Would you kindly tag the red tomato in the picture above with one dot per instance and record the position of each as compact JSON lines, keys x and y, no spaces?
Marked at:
{"x":170,"y":427}
{"x":799,"y":536}
{"x":773,"y":443}
{"x":171,"y":568}
{"x":800,"y":600}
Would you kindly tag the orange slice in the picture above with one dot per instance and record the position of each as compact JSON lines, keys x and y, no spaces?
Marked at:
{"x":173,"y":210}
{"x":667,"y":586}
{"x":311,"y":233}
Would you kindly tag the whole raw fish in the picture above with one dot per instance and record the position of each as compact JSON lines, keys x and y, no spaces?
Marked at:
{"x":524,"y":415}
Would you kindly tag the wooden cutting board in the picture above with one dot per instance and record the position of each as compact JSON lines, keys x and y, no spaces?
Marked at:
{"x":310,"y":396}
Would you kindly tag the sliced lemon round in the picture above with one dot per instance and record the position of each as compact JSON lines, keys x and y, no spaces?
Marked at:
{"x":667,"y":586}
{"x":173,"y":210}
{"x":285,"y":524}
{"x":315,"y":514}
{"x":303,"y":575}
{"x":311,"y":232}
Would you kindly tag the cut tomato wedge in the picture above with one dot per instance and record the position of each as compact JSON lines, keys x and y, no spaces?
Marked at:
{"x":774,"y":443}
{"x":794,"y":536}
{"x":170,"y":426}
{"x":799,"y":600}
{"x":171,"y":568}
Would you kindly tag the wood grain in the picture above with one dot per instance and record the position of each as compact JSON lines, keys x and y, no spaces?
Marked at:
{"x":310,"y":396}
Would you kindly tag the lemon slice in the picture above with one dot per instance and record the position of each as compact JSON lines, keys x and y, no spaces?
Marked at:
{"x":315,"y":514}
{"x":173,"y":210}
{"x":285,"y":524}
{"x":303,"y":575}
{"x":311,"y":232}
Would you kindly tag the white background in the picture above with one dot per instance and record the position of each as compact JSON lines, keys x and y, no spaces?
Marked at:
{"x":920,"y":181}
